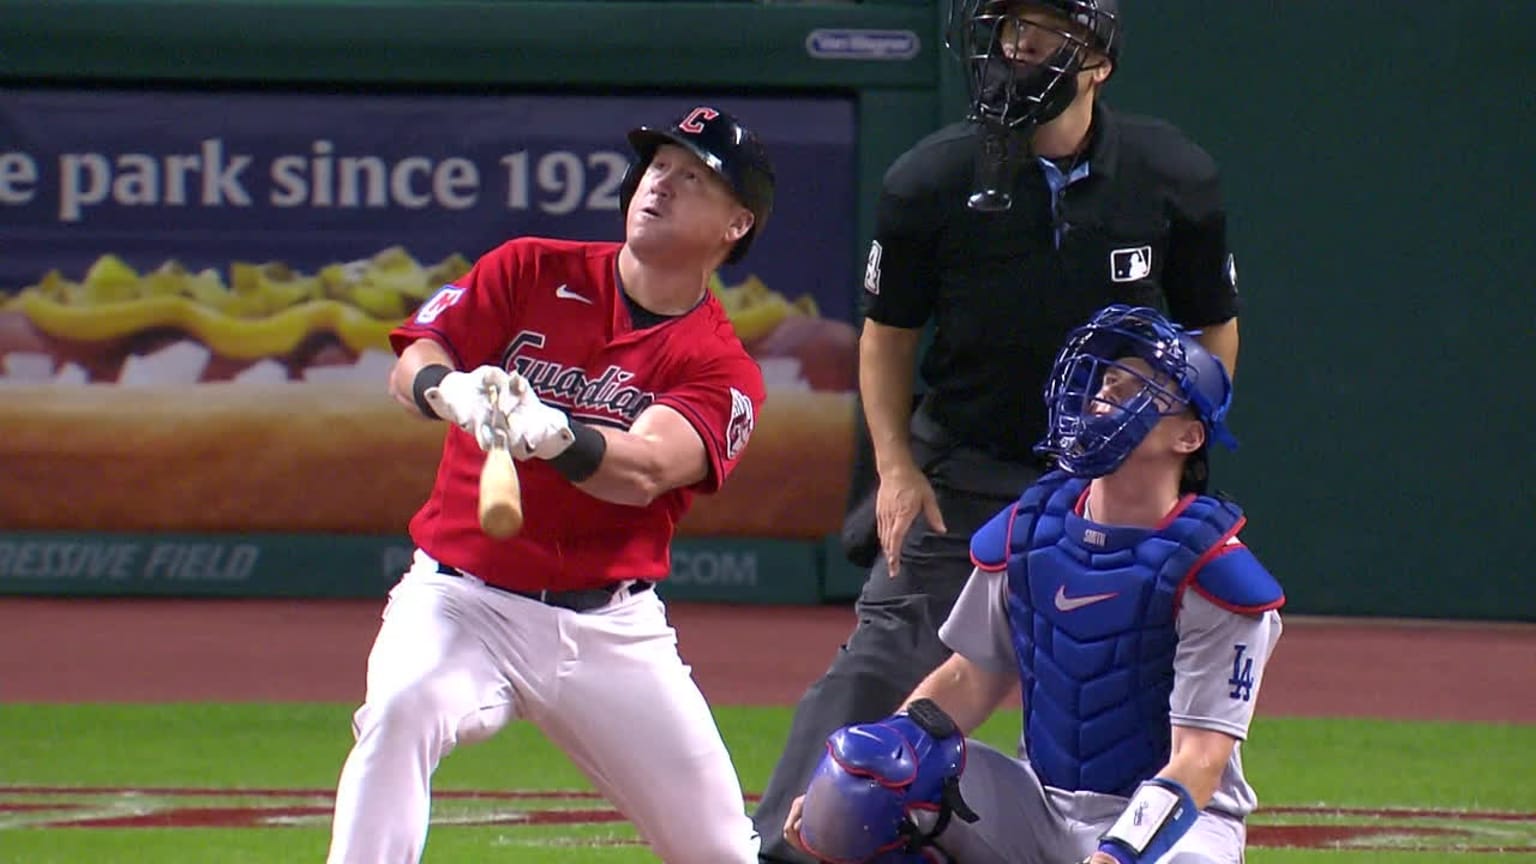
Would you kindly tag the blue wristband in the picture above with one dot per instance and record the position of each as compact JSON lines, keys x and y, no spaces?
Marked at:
{"x":1117,"y":852}
{"x":1159,"y":813}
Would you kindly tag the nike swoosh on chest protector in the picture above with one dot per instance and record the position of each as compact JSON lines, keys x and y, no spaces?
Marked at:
{"x":1067,"y":604}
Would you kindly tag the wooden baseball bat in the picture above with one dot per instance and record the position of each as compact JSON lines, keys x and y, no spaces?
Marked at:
{"x":501,"y":496}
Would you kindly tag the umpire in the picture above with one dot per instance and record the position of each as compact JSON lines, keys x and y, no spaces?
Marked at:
{"x":1004,"y":231}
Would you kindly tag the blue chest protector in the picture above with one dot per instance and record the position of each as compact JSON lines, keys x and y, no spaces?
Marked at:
{"x":1092,"y":611}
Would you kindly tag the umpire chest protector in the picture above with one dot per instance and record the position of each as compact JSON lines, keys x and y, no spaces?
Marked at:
{"x":1092,"y":611}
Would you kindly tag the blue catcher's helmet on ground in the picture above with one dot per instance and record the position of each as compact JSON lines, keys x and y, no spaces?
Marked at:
{"x":730,"y":149}
{"x":862,"y":802}
{"x":1091,"y":433}
{"x":1013,"y":87}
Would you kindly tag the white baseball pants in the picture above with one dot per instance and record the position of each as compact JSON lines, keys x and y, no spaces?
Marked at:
{"x":455,"y":660}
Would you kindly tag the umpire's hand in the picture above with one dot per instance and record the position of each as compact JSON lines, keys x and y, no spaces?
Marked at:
{"x":903,"y":492}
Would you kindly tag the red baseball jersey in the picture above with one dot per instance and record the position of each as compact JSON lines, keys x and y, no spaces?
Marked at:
{"x":553,"y":311}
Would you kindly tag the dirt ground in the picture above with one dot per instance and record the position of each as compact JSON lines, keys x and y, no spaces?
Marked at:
{"x":154,"y":650}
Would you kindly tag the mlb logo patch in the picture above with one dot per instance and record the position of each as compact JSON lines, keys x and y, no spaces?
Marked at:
{"x":1129,"y":265}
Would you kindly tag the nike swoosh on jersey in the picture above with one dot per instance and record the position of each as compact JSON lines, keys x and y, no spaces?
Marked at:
{"x":1067,"y":604}
{"x":565,"y":293}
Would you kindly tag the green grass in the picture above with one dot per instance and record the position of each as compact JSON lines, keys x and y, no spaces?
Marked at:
{"x":231,"y":846}
{"x":1385,"y":764}
{"x":1347,"y":763}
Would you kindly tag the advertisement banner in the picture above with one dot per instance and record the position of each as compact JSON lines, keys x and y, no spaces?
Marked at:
{"x":195,"y":290}
{"x":61,"y":564}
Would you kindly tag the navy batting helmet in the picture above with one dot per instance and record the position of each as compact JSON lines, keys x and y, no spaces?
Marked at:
{"x":1091,"y":434}
{"x":1008,"y":90}
{"x":730,"y":149}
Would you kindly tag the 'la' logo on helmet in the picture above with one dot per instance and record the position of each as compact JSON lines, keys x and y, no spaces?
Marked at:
{"x":692,"y":123}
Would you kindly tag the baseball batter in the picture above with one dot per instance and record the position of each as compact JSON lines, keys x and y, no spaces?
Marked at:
{"x":626,"y":393}
{"x":1135,"y":621}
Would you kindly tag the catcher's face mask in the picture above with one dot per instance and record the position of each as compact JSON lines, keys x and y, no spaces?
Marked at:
{"x":1116,"y":378}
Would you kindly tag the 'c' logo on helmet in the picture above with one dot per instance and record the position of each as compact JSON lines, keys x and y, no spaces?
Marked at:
{"x":692,"y":125}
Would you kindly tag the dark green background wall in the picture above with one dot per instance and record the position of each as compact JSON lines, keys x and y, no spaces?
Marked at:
{"x":1377,"y":169}
{"x":1383,"y":202}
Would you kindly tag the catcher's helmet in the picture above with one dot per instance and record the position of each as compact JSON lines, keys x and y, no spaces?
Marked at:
{"x":727,"y":147}
{"x":1015,"y":93}
{"x":1091,"y":435}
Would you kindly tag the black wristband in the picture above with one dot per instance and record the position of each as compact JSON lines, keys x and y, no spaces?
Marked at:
{"x":428,"y":376}
{"x":581,"y":459}
{"x":930,"y":718}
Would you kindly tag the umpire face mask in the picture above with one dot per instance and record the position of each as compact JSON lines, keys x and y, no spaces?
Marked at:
{"x":1024,"y":61}
{"x":1034,"y":93}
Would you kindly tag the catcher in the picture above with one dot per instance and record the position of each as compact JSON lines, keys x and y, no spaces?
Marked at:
{"x":1119,"y":597}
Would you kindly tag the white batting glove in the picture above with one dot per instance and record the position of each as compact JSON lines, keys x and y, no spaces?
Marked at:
{"x":463,"y":399}
{"x":538,"y":431}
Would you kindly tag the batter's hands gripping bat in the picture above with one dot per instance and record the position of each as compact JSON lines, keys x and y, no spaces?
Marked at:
{"x":501,"y":497}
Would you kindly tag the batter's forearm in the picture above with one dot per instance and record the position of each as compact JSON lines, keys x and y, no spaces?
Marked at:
{"x":660,"y":452}
{"x":632,"y":472}
{"x":402,"y":378}
{"x":968,"y":693}
{"x":887,"y":356}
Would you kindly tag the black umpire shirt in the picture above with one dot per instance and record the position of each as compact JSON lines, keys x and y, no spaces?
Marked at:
{"x":1141,"y":223}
